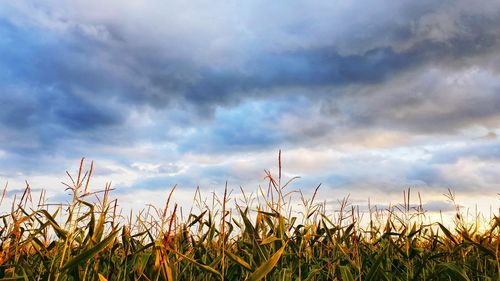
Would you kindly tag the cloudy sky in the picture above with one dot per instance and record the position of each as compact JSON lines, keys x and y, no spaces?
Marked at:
{"x":366,"y":97}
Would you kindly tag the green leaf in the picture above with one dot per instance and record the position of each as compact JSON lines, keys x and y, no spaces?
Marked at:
{"x":201,"y":266}
{"x":376,"y":265}
{"x":268,"y":240}
{"x":267,"y":266}
{"x":87,"y":254}
{"x":346,"y":273}
{"x":238,"y":260}
{"x":448,"y":233}
{"x":196,"y":218}
{"x":454,"y":271}
{"x":61,"y":233}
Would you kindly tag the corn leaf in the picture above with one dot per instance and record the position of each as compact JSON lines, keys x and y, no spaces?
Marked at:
{"x":89,"y":253}
{"x":267,"y":266}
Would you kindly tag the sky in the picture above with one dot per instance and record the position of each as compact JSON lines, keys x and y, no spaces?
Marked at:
{"x":368,"y":98}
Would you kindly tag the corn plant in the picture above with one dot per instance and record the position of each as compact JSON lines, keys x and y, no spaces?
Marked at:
{"x":258,"y":238}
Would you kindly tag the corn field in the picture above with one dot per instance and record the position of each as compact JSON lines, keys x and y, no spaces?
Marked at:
{"x":89,"y":239}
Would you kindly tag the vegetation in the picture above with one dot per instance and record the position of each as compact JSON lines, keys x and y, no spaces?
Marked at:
{"x":259,"y":237}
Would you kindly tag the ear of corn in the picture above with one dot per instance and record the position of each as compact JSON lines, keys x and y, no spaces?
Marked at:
{"x":87,"y":240}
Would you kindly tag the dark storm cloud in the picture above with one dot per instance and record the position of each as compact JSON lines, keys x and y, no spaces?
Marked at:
{"x":71,"y":62}
{"x":78,"y":114}
{"x":253,"y":125}
{"x":237,"y":79}
{"x":427,"y":174}
{"x":481,"y":152}
{"x":43,"y":86}
{"x":17,"y":111}
{"x":109,"y":69}
{"x":48,"y":115}
{"x":424,"y":101}
{"x":314,"y":67}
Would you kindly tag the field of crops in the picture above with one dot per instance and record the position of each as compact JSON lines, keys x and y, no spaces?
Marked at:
{"x":260,"y":238}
